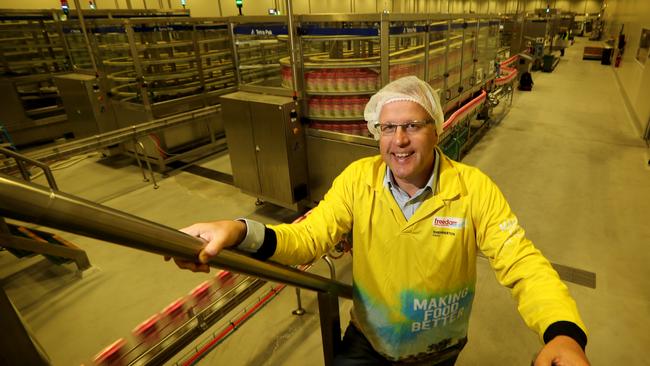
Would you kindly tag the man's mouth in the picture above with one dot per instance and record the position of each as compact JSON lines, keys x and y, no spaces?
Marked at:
{"x":402,"y":156}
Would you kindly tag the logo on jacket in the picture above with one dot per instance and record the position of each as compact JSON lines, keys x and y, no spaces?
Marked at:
{"x":449,"y":222}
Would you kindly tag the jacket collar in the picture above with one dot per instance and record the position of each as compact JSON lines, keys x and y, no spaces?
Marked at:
{"x":448,"y":184}
{"x":448,"y":187}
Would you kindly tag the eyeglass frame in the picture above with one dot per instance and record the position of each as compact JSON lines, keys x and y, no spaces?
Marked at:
{"x":380,"y":126}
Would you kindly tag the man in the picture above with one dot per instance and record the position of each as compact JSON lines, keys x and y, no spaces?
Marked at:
{"x":417,"y":220}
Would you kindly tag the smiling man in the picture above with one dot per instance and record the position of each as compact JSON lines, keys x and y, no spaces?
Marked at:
{"x":418,"y":220}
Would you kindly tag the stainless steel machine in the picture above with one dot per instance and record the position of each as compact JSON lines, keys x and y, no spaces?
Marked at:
{"x":86,"y":104}
{"x":36,"y":46}
{"x":155,"y":68}
{"x":32,"y":50}
{"x":267,"y":146}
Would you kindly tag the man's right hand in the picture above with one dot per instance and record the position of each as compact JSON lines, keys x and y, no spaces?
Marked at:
{"x":217,"y":235}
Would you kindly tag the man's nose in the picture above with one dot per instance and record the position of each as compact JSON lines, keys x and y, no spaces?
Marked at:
{"x":401,"y":137}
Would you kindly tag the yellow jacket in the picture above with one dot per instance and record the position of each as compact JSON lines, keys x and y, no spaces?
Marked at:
{"x":414,"y":280}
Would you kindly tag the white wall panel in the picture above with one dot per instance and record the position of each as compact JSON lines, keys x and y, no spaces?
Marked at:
{"x":633,"y":77}
{"x":32,"y":4}
{"x":368,"y":6}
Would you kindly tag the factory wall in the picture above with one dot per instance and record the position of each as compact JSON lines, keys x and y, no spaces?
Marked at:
{"x":215,"y":8}
{"x":633,"y":77}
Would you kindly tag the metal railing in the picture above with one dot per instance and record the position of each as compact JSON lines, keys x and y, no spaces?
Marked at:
{"x":32,"y":203}
{"x":21,"y":160}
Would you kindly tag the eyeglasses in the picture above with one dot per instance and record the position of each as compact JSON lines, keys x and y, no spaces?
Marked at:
{"x":411,"y":128}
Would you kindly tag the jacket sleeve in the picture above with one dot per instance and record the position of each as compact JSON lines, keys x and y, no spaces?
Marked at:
{"x":323,"y":227}
{"x":543,"y":299}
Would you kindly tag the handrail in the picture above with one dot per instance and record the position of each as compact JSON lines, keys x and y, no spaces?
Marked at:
{"x":81,"y":145}
{"x":32,"y":203}
{"x":21,"y":159}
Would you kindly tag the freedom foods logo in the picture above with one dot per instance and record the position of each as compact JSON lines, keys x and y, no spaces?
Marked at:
{"x":449,"y":222}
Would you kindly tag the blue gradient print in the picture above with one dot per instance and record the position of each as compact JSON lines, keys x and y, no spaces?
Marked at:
{"x":422,"y":322}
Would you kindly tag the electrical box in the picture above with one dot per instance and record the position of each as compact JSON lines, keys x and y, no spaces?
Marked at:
{"x":267,"y":146}
{"x":85,"y":104}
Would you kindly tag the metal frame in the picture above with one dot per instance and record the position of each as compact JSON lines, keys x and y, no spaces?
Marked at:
{"x":31,"y":203}
{"x":17,"y":344}
{"x":21,"y":160}
{"x":77,"y":255}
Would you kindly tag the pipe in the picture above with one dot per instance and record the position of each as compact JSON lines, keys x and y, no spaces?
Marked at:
{"x":32,"y":203}
{"x":292,"y":47}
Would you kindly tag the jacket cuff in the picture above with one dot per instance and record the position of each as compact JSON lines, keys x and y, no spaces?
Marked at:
{"x":267,"y":249}
{"x":568,"y":329}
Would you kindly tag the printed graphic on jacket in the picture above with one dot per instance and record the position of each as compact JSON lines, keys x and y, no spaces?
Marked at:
{"x":420,"y":324}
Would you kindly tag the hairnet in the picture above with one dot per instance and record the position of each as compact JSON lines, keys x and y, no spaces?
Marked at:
{"x":408,"y":88}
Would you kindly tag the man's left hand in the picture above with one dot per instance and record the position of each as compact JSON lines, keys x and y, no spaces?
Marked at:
{"x":562,"y":351}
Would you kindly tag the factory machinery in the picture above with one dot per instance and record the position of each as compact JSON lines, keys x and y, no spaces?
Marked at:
{"x":36,"y":48}
{"x":136,"y":70}
{"x":291,"y":110}
{"x":322,"y":69}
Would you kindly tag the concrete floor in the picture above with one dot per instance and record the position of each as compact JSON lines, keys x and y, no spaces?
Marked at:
{"x":567,"y":158}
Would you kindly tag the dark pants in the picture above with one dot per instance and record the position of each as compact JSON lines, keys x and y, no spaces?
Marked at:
{"x":357,"y":351}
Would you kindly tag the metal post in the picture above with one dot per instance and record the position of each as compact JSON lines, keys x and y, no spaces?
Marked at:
{"x":330,"y":264}
{"x":137,"y":65}
{"x":330,"y":325}
{"x":235,"y":57}
{"x":291,"y":29}
{"x":82,"y":24}
{"x":299,"y":310}
{"x":512,"y":92}
{"x":199,"y":64}
{"x":426,"y":51}
{"x":23,"y":170}
{"x":384,"y":45}
{"x":446,"y":74}
{"x":50,"y":178}
{"x":144,"y":156}
{"x":137,"y":159}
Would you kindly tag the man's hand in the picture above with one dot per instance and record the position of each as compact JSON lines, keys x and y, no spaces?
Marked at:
{"x":217,"y":236}
{"x":561,"y":351}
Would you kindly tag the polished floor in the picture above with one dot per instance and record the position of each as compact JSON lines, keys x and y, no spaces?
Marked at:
{"x":567,"y":157}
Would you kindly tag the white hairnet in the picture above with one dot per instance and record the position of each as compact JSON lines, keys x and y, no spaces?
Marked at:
{"x":408,"y":88}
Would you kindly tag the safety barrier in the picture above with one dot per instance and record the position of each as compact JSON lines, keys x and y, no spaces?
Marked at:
{"x":36,"y":204}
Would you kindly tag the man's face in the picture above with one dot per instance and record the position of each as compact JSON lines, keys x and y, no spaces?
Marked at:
{"x":408,"y":154}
